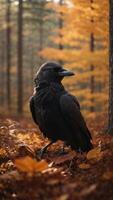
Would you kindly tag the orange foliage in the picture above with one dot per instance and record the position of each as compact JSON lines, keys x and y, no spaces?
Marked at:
{"x":29,"y":165}
{"x":80,"y":20}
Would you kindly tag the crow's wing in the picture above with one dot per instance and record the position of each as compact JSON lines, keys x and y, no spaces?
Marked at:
{"x":74,"y":118}
{"x":32,"y":109}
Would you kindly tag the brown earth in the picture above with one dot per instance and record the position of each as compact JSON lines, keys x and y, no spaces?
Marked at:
{"x":61,"y":177}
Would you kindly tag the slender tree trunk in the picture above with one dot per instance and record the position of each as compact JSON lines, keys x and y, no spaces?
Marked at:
{"x":32,"y":63}
{"x":20,"y":58}
{"x":8,"y":53}
{"x":110,"y":111}
{"x":60,"y":24}
{"x":41,"y":28}
{"x":41,"y":39}
{"x":3,"y":71}
{"x":92,"y":80}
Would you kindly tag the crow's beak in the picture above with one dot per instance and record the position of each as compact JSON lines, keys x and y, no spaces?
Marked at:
{"x":65,"y":72}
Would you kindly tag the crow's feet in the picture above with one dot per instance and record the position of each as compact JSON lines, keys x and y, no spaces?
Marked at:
{"x":62,"y":152}
{"x":41,"y":152}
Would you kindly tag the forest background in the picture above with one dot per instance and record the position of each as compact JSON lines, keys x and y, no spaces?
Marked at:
{"x":71,"y":32}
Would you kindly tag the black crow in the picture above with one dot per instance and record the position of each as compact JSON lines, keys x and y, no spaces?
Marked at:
{"x":56,"y":112}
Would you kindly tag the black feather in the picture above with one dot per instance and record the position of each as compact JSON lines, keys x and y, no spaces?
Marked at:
{"x":57,"y":113}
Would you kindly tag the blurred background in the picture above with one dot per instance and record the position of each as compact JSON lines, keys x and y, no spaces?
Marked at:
{"x":71,"y":32}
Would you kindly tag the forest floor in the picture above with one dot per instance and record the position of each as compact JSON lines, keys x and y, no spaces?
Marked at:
{"x":58,"y":177}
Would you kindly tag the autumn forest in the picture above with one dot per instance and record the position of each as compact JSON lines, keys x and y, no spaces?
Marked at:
{"x":78,"y":35}
{"x":74,"y":33}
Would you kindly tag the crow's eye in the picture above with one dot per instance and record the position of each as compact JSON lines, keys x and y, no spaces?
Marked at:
{"x":57,"y":69}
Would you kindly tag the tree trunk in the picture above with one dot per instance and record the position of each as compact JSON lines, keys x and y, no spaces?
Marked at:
{"x":92,"y":81}
{"x":110,"y":111}
{"x":41,"y":28}
{"x":2,"y":70}
{"x":60,"y":24}
{"x":40,"y":39}
{"x":8,"y":53}
{"x":20,"y":58}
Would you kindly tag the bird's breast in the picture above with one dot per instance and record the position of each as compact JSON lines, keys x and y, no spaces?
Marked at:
{"x":48,"y":96}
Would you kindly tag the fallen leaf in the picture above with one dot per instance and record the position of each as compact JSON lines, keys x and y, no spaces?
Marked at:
{"x":95,"y":153}
{"x":28,"y":164}
{"x":108,"y":175}
{"x":42,"y":165}
{"x":84,"y":166}
{"x":63,"y":197}
{"x":2,"y":152}
{"x":64,"y":158}
{"x":25,"y":150}
{"x":8,"y":176}
{"x":88,"y":190}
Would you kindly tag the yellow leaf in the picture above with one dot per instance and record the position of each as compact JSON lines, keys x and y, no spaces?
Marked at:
{"x":3,"y":152}
{"x":42,"y":165}
{"x":94,"y":154}
{"x":29,"y":165}
{"x":84,"y":166}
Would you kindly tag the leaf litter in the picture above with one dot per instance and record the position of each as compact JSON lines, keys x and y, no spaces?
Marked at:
{"x":68,"y":177}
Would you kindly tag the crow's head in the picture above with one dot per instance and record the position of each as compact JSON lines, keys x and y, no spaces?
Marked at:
{"x":51,"y":72}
